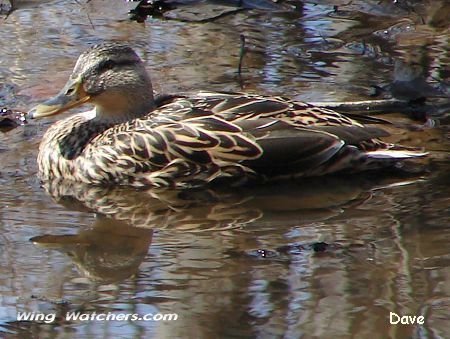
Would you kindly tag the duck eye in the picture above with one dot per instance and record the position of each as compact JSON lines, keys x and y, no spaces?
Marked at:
{"x":108,"y":64}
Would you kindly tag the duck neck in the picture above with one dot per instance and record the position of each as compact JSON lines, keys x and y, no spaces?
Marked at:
{"x":122,"y":107}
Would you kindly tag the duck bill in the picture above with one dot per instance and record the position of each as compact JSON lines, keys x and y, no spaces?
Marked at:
{"x":72,"y":95}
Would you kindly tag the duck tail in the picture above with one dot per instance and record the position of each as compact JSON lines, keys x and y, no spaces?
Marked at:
{"x":393,"y":154}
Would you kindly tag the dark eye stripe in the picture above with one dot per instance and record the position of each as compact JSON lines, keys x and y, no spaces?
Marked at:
{"x":110,"y":64}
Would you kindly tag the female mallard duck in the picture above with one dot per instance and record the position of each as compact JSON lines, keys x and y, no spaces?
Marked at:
{"x":131,"y":138}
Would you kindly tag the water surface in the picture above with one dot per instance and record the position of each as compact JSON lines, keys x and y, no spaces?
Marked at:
{"x":324,"y":258}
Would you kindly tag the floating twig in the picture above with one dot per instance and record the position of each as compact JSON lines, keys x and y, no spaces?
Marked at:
{"x":87,"y":13}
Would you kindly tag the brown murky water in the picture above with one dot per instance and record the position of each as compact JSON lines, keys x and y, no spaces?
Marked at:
{"x":327,"y":258}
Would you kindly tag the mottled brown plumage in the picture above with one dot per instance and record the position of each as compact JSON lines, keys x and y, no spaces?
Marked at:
{"x":130,"y":138}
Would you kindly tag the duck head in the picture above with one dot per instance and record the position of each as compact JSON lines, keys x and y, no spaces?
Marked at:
{"x":112,"y":77}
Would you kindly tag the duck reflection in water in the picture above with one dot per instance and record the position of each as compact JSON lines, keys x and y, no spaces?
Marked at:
{"x":110,"y":251}
{"x":113,"y":248}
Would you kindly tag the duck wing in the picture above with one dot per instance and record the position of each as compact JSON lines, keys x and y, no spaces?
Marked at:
{"x":239,"y":106}
{"x":288,"y":150}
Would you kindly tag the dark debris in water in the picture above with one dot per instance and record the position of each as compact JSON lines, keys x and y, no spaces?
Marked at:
{"x":196,"y":10}
{"x":62,"y":302}
{"x":320,"y":246}
{"x":283,"y":252}
{"x":10,"y":119}
{"x":263,"y":253}
{"x":6,"y":8}
{"x":150,"y":8}
{"x":316,"y":247}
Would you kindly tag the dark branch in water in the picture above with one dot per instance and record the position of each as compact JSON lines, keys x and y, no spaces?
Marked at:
{"x":415,"y":110}
{"x":241,"y":53}
{"x":241,"y":58}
